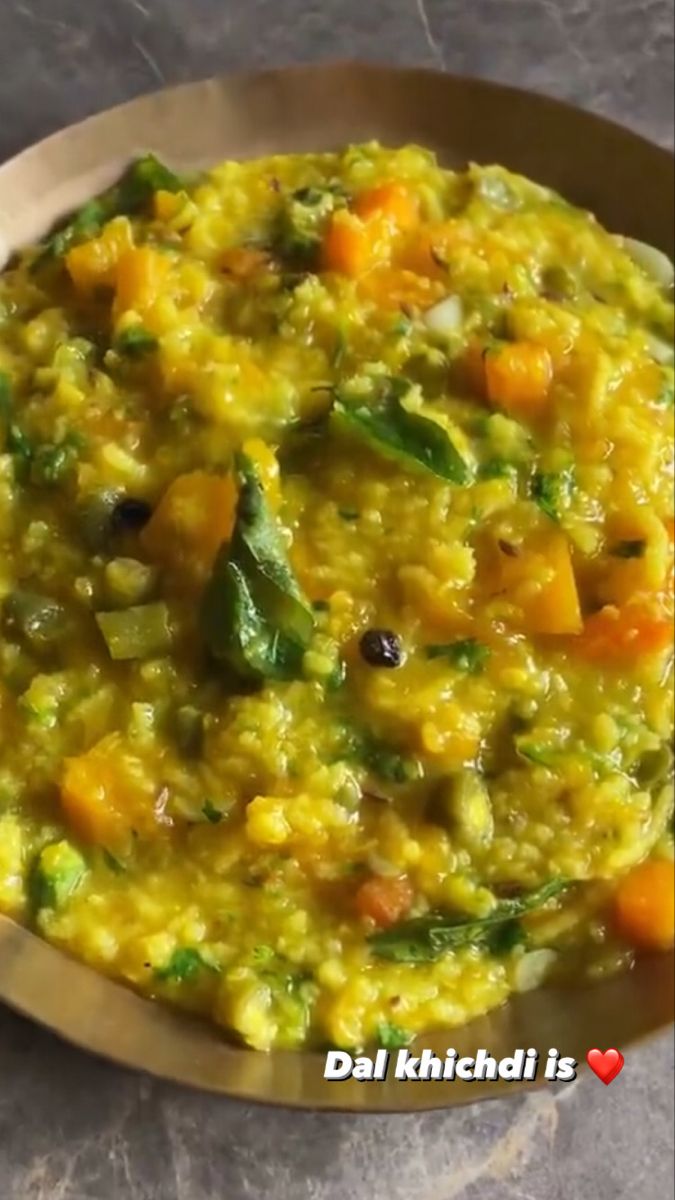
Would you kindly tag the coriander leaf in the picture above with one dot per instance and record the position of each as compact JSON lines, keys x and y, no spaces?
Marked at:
{"x":51,"y":463}
{"x":392,"y":1037}
{"x":386,"y":425}
{"x":337,"y":676}
{"x":380,"y":758}
{"x":389,"y":765}
{"x":292,"y":994}
{"x":16,"y":442}
{"x":184,"y":965}
{"x":402,"y":326}
{"x":58,"y":870}
{"x":263,"y":953}
{"x":136,"y":342}
{"x":467,"y":655}
{"x":551,"y":491}
{"x":212,"y":814}
{"x":21,"y":448}
{"x":424,"y":939}
{"x":301,"y":223}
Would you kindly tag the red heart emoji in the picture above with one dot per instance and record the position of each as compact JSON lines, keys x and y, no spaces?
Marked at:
{"x":607,"y":1065}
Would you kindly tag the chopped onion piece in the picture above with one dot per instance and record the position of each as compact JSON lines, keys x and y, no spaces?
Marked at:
{"x":653,"y":262}
{"x":446,"y":316}
{"x":532,"y":969}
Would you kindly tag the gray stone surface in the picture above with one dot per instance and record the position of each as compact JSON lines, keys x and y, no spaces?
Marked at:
{"x":72,"y":1128}
{"x":76,"y":1129}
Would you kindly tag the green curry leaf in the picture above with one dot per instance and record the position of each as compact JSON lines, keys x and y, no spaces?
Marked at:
{"x":505,"y":937}
{"x":85,"y":224}
{"x":390,"y":429}
{"x":423,"y":939}
{"x":140,"y":181}
{"x":254,"y":617}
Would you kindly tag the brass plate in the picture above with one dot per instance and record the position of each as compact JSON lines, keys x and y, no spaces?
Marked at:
{"x":622,"y":177}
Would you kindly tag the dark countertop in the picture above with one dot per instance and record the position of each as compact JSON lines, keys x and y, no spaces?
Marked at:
{"x":72,"y":1128}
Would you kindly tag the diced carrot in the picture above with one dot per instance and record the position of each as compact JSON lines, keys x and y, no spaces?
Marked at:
{"x":347,"y":245}
{"x":644,"y":905}
{"x":518,"y":377}
{"x":621,"y":634}
{"x":94,"y":263}
{"x":244,"y":261}
{"x":539,"y":581}
{"x":356,"y":241}
{"x":384,"y":899}
{"x":192,"y":520}
{"x":105,"y":794}
{"x":394,"y":201}
{"x":141,"y":273}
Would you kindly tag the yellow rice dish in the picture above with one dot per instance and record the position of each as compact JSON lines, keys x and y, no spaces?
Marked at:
{"x":336,"y":550}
